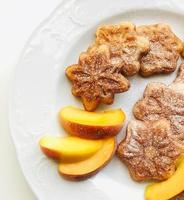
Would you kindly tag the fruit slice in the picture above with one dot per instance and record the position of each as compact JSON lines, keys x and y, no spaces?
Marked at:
{"x":92,"y":125}
{"x":69,"y":149}
{"x":87,"y":168}
{"x":169,"y":188}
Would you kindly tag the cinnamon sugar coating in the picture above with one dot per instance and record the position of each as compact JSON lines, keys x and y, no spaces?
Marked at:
{"x":161,"y":101}
{"x":95,"y":79}
{"x":126,"y":46}
{"x":148,"y":150}
{"x":165,"y":48}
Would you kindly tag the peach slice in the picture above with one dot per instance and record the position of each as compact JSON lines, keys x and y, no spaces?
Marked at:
{"x":69,"y":149}
{"x":86,"y":168}
{"x":92,"y":125}
{"x":169,"y":188}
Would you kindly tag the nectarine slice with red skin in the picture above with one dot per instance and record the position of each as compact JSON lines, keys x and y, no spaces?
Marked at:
{"x":89,"y":167}
{"x":92,"y":125}
{"x":69,"y":149}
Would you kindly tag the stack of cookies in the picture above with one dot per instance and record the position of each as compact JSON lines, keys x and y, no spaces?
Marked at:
{"x":120,"y":51}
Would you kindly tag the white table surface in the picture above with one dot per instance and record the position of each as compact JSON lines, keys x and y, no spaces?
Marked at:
{"x":18,"y":19}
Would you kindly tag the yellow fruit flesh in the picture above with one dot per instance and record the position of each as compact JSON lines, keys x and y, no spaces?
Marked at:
{"x":70,"y":148}
{"x":91,"y":164}
{"x":111,"y":117}
{"x":169,"y":188}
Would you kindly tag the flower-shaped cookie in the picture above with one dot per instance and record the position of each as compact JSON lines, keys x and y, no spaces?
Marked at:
{"x":165,"y":48}
{"x":126,"y":46}
{"x":148,"y":150}
{"x":162,"y":101}
{"x":95,"y":79}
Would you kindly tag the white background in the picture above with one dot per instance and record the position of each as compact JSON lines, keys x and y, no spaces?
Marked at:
{"x":18,"y":19}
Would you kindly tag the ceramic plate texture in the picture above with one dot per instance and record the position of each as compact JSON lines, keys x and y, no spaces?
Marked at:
{"x":40,"y":89}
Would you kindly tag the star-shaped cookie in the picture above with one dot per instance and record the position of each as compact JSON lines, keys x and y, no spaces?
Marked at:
{"x":162,"y":101}
{"x":126,"y":46}
{"x":165,"y":48}
{"x":148,"y":150}
{"x":95,"y":80}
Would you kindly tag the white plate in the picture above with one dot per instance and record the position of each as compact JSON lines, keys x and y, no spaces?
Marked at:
{"x":40,"y":89}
